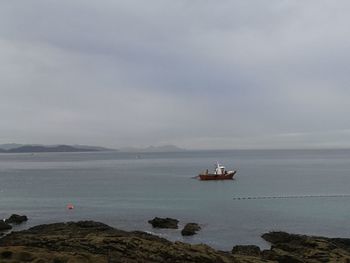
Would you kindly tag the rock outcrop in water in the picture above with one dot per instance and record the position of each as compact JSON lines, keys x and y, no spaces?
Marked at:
{"x":89,"y":241}
{"x":16,"y":219}
{"x":158,"y":222}
{"x":190,"y":229}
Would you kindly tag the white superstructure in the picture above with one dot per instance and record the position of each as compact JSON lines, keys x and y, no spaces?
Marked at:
{"x":220,"y":169}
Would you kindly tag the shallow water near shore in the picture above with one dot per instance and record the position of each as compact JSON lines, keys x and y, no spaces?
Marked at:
{"x":125,"y":190}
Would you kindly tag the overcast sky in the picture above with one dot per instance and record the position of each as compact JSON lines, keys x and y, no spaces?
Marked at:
{"x":196,"y":73}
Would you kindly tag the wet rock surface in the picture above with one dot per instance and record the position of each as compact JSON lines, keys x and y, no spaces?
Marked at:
{"x":158,"y":222}
{"x":89,"y":241}
{"x":4,"y":226}
{"x":246,"y":250}
{"x":301,"y":248}
{"x":190,"y":229}
{"x":16,"y":219}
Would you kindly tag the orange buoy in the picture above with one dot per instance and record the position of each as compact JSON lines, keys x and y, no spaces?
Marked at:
{"x":70,"y":206}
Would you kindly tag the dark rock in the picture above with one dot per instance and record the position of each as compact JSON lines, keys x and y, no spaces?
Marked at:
{"x":246,"y":250}
{"x":268,"y":255}
{"x":26,"y":256}
{"x":283,"y":237}
{"x":4,"y":226}
{"x":93,"y":225}
{"x":291,"y":248}
{"x":16,"y":219}
{"x":95,"y":242}
{"x":6,"y":254}
{"x":341,"y":242}
{"x":289,"y":259}
{"x":89,"y":241}
{"x":280,"y":256}
{"x":190,"y":229}
{"x":164,"y":223}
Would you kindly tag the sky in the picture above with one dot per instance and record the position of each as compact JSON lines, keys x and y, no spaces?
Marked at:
{"x":200,"y":74}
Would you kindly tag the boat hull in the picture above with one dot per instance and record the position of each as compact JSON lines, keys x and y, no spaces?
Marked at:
{"x":207,"y":177}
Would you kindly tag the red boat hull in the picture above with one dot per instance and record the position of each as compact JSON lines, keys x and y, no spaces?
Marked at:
{"x":206,"y":177}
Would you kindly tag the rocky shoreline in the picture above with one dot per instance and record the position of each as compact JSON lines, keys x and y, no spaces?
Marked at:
{"x":89,"y":241}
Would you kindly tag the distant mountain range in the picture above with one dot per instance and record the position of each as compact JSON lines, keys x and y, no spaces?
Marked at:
{"x":34,"y":148}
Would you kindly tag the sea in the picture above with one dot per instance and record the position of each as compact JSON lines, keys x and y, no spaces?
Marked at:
{"x":308,"y":192}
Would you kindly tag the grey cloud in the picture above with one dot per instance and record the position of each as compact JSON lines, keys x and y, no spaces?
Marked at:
{"x":201,"y":74}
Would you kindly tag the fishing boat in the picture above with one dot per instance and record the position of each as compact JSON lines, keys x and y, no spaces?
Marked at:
{"x":220,"y":173}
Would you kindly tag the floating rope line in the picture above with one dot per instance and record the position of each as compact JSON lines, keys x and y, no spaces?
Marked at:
{"x":290,"y":197}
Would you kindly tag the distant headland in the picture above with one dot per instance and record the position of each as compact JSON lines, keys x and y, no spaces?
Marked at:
{"x":53,"y":148}
{"x":35,"y":148}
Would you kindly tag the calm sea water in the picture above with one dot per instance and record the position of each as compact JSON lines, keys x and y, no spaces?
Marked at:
{"x":125,"y":191}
